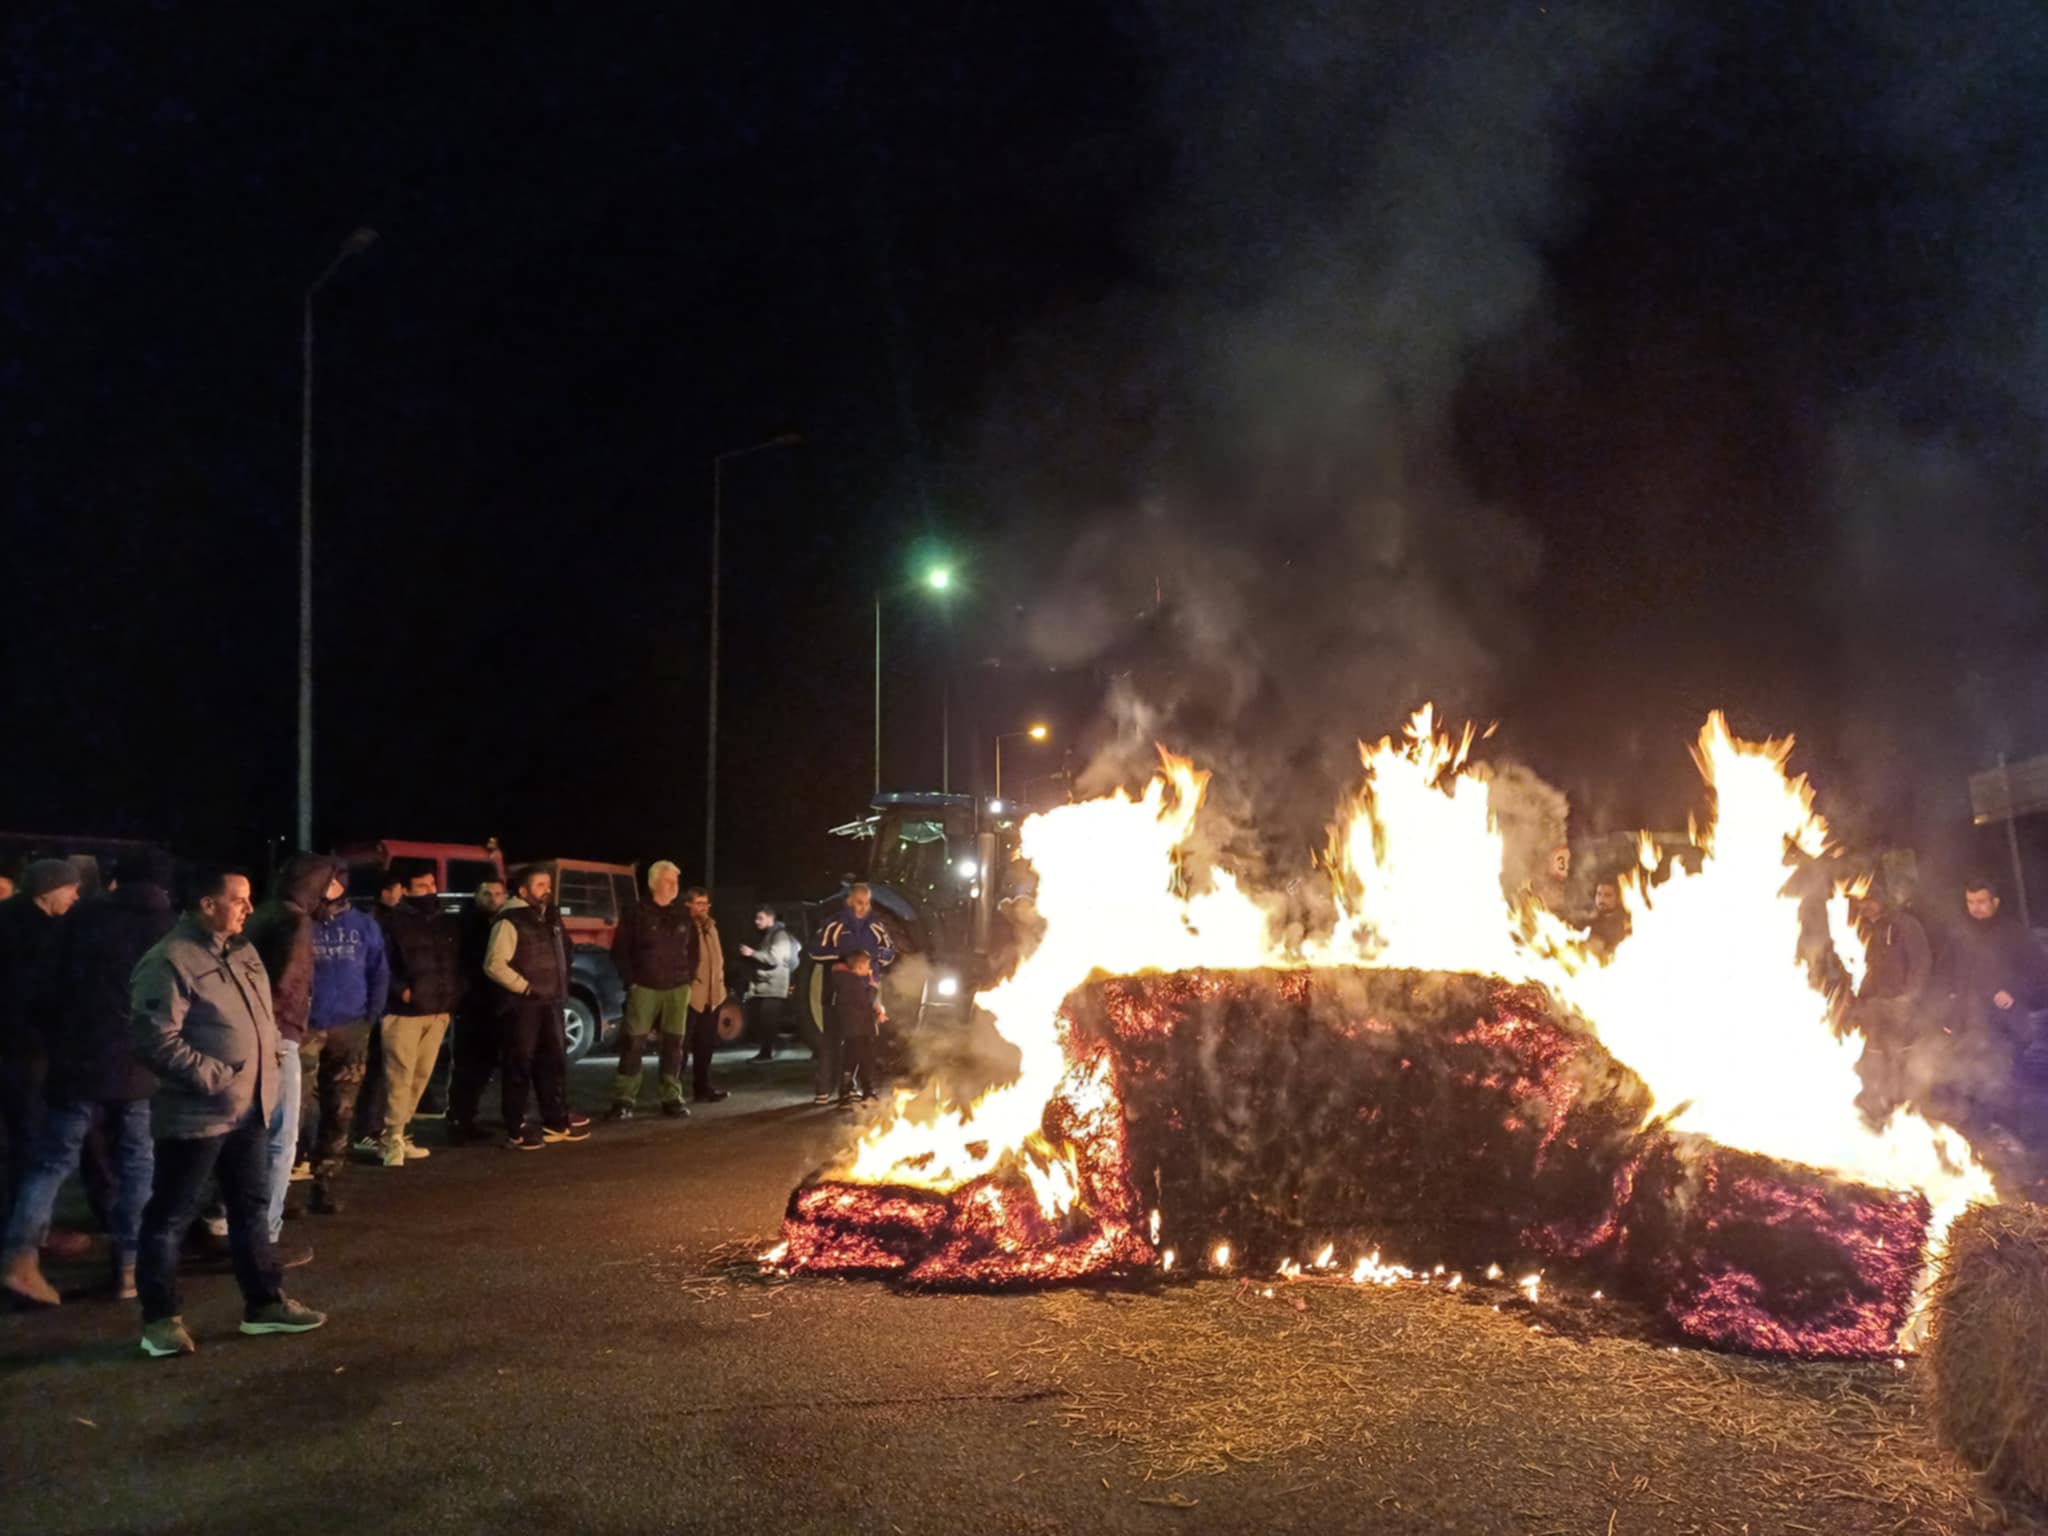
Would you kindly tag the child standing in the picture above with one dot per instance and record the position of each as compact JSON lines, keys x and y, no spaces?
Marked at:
{"x":853,"y":1014}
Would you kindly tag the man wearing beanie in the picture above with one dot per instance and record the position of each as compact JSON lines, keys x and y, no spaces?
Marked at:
{"x":31,"y":922}
{"x":94,"y":1077}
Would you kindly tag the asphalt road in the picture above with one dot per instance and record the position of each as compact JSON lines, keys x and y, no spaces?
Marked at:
{"x":536,"y":1342}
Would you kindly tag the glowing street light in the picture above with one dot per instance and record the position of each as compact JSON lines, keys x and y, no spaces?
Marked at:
{"x":938,"y":579}
{"x":1033,"y":733}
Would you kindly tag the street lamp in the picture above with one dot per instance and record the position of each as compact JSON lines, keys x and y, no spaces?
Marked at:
{"x":1035,"y":733}
{"x":358,"y":242}
{"x":938,"y":578}
{"x":780,"y":440}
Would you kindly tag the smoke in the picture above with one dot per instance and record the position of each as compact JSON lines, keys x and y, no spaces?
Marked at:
{"x":1767,"y":296}
{"x":1293,"y":559}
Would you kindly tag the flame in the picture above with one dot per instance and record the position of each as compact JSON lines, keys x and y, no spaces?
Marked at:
{"x":1105,"y":876}
{"x":1707,"y":1000}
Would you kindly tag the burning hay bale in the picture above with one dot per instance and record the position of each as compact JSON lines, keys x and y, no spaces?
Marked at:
{"x":1747,"y":1253}
{"x":1987,"y":1347}
{"x":1454,"y":1115}
{"x":1076,"y":1218}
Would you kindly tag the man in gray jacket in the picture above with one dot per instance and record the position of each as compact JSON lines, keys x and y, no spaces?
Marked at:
{"x":202,"y":1019}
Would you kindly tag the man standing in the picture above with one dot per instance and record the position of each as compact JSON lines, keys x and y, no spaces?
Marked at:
{"x":30,"y":927}
{"x":768,"y":994}
{"x":478,"y":1031}
{"x":351,"y":978}
{"x":707,"y":995}
{"x":426,"y":984}
{"x":1997,"y":973}
{"x":655,"y":950}
{"x":373,"y":1101}
{"x":853,"y":929}
{"x":282,"y":932}
{"x":528,"y":961}
{"x":202,"y":1024}
{"x":95,"y":1081}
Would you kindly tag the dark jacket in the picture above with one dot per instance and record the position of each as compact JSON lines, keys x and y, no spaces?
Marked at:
{"x":426,"y":957}
{"x":534,"y":953}
{"x":850,"y":1003}
{"x":29,"y":954}
{"x":92,"y":1052}
{"x":1986,"y":958}
{"x":655,"y":946}
{"x":1899,"y":962}
{"x":199,"y":1013}
{"x":282,"y":932}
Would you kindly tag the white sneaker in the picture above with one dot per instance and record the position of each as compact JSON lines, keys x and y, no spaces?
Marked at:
{"x":414,"y":1152}
{"x":391,"y":1153}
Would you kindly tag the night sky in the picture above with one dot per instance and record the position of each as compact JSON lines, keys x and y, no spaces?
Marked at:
{"x":1262,"y":371}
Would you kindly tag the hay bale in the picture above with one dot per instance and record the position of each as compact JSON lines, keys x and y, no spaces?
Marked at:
{"x":1987,"y":1347}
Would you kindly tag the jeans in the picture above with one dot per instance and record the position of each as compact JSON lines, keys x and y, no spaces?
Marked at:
{"x":284,"y":1135}
{"x":536,"y":1061}
{"x":765,"y":1019}
{"x":55,"y":1156}
{"x":239,"y":1160}
{"x":332,"y":1063}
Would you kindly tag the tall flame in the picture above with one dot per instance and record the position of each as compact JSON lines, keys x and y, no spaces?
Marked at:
{"x":1105,"y":876}
{"x":1707,"y":999}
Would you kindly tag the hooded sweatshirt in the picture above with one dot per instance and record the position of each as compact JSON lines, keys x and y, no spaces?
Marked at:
{"x":282,"y":932}
{"x":351,"y":975}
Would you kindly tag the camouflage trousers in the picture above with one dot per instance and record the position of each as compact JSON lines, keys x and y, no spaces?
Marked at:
{"x":332,"y":1065}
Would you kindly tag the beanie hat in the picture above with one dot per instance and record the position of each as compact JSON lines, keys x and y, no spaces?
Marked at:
{"x":47,"y":875}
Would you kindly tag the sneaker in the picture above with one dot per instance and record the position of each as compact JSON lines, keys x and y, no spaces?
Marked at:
{"x":166,"y":1337}
{"x":529,"y":1140}
{"x":619,"y":1112}
{"x":283,"y":1316}
{"x":570,"y":1132}
{"x":370,"y":1147}
{"x":675,"y":1109}
{"x":392,"y":1154}
{"x":414,"y":1152}
{"x":578,"y":1122}
{"x":301,"y":1172}
{"x":821,"y":1098}
{"x":298,"y":1256}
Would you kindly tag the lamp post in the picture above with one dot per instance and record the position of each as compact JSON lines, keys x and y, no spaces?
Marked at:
{"x":718,"y":462}
{"x":1035,"y":733}
{"x":358,"y":242}
{"x":938,"y":579}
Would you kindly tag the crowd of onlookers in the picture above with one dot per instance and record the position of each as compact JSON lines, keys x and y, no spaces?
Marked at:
{"x":193,"y":1059}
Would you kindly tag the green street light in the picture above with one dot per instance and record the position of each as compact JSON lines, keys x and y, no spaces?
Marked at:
{"x":939,"y":578}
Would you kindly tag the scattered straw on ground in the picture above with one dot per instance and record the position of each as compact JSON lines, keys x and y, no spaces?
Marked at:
{"x":1390,"y":1390}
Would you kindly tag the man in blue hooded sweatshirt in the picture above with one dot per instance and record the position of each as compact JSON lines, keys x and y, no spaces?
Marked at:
{"x":351,"y":978}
